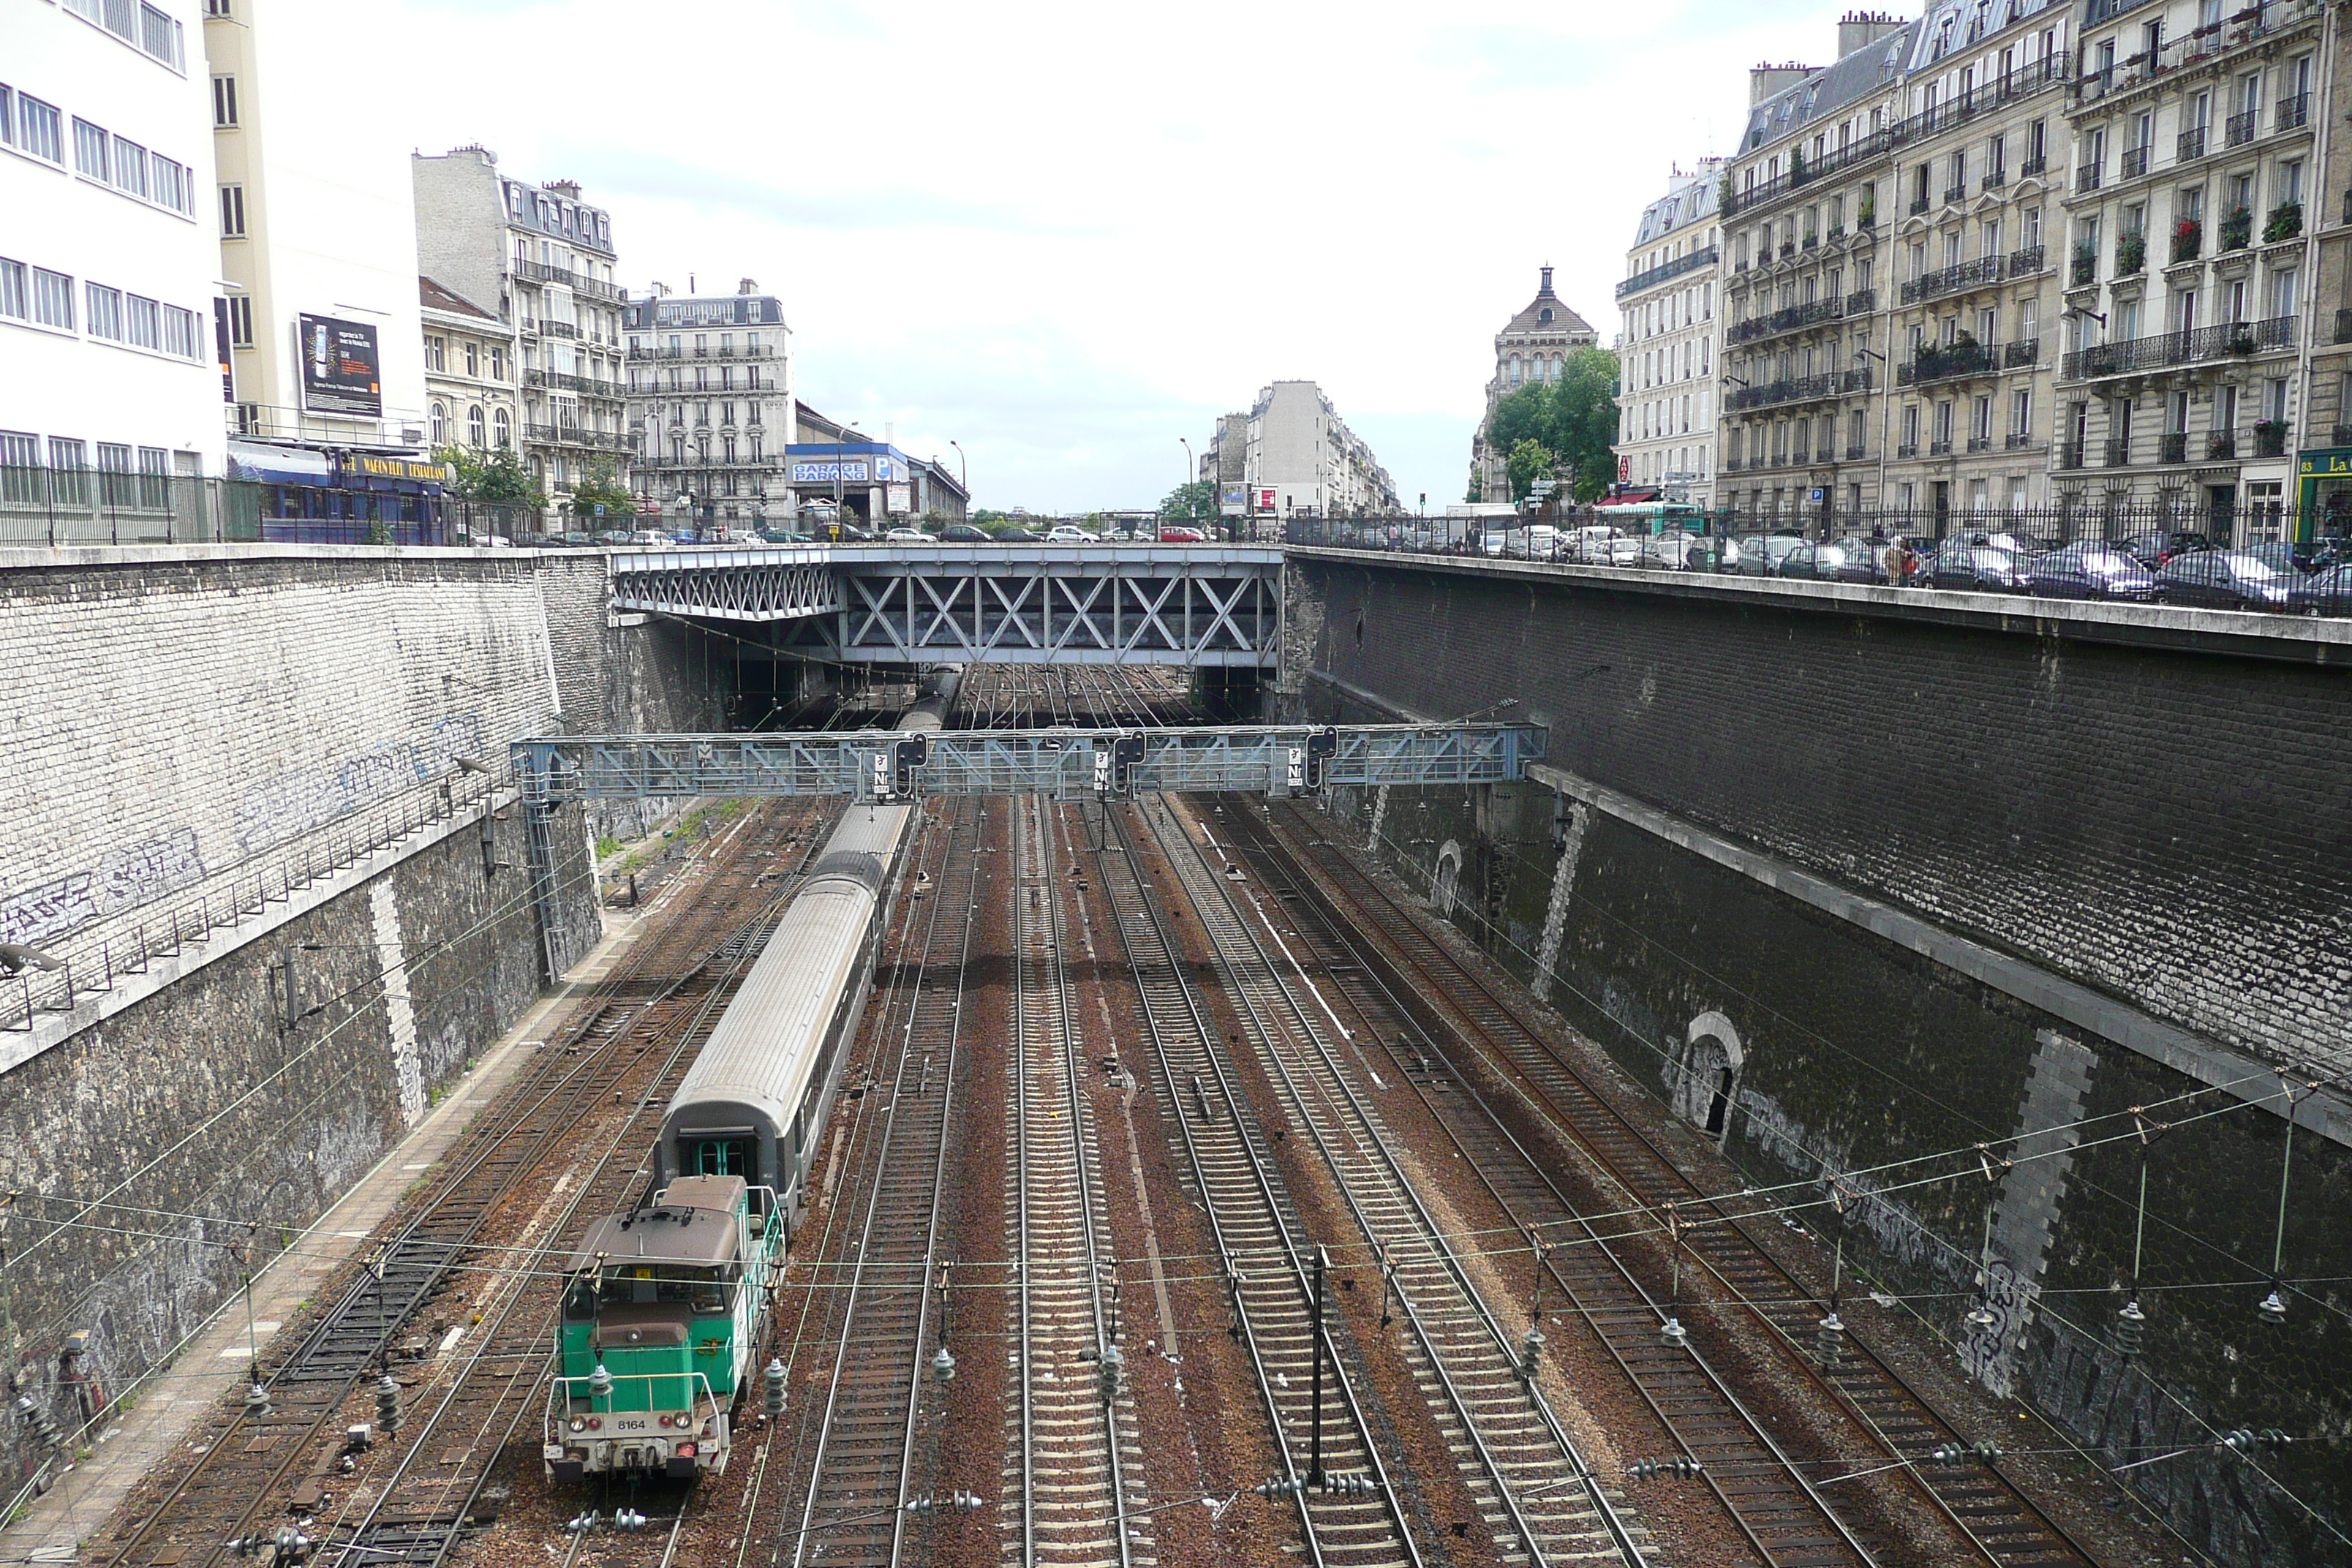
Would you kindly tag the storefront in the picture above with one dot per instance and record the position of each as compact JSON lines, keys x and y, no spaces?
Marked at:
{"x":2323,"y":493}
{"x":310,"y":495}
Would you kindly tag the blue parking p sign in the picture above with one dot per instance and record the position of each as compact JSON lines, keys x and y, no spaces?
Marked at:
{"x":1816,"y":494}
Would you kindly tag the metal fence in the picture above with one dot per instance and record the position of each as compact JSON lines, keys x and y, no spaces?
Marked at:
{"x":2033,"y":528}
{"x":42,"y":506}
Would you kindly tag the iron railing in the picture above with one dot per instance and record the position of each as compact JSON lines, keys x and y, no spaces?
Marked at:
{"x":539,"y":272}
{"x":1664,"y":271}
{"x":2169,"y":349}
{"x":1953,"y":279}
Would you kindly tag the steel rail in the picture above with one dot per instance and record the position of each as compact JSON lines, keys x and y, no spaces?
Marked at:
{"x":1042,"y":1002}
{"x":1268,"y":856}
{"x":1210,"y":892}
{"x":1593,"y":1118}
{"x":924,"y":1113}
{"x":1152,"y":954}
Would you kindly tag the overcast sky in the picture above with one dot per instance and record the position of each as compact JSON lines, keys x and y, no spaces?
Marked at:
{"x":1066,"y":235}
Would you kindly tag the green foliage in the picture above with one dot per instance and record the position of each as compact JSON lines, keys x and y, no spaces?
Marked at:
{"x":1529,"y":460}
{"x":1188,"y":502}
{"x":495,"y":475}
{"x":2286,"y":221}
{"x":986,"y":515}
{"x":1573,"y":418}
{"x":602,"y":488}
{"x":1477,"y":490}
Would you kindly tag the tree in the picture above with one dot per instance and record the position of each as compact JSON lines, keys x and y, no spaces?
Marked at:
{"x":1477,"y":490}
{"x":1529,"y":460}
{"x":1195,"y":501}
{"x":493,"y":474}
{"x":1584,"y":419}
{"x":1574,"y":416}
{"x":602,"y":488}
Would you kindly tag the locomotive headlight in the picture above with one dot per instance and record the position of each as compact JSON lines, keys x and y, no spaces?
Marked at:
{"x":579,"y":1425}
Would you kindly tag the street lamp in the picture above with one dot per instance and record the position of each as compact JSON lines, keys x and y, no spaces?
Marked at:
{"x":963,"y":468}
{"x":1192,"y":478}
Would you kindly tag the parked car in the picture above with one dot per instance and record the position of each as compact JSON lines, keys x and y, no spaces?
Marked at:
{"x":1865,"y":560}
{"x":575,"y":540}
{"x":964,"y":534}
{"x":1761,"y":555}
{"x":653,"y":536}
{"x":1675,"y":550}
{"x":784,"y":536}
{"x":2326,"y":592}
{"x":1177,"y":534}
{"x":1601,"y":545}
{"x":1069,"y":533}
{"x":2153,"y":550}
{"x":2225,"y":579}
{"x":907,"y":536}
{"x":2283,"y":555}
{"x":2091,"y":568}
{"x":1981,"y":568}
{"x":1823,"y":562}
{"x":1014,"y":533}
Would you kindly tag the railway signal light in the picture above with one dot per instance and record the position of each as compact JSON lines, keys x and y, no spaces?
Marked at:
{"x":387,"y":1403}
{"x":1651,"y":1470}
{"x":772,"y":1402}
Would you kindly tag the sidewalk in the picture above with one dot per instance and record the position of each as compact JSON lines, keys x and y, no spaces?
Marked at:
{"x":212,"y":1363}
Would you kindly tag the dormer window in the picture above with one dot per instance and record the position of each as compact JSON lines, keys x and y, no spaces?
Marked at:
{"x":1545,"y":316}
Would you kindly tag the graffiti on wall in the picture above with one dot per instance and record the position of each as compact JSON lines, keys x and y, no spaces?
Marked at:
{"x":288,"y":807}
{"x":124,"y":878}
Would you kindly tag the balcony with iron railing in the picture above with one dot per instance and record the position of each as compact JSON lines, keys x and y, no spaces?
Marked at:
{"x":2191,"y":144}
{"x":2018,"y":355}
{"x":1799,"y":389}
{"x":2204,"y":47}
{"x":1954,"y":193}
{"x":710,"y":351}
{"x":540,"y":272}
{"x":561,"y":381}
{"x":1953,"y":279}
{"x":2238,"y":129}
{"x":576,"y":435}
{"x":2294,"y":114}
{"x":1958,"y":362}
{"x":2119,"y":452}
{"x":2026,"y":261}
{"x":2087,"y":177}
{"x":2018,"y":441}
{"x":2070,"y":453}
{"x":1942,"y":448}
{"x":1789,"y":319}
{"x":2170,"y":350}
{"x":1994,"y":180}
{"x":1661,"y":273}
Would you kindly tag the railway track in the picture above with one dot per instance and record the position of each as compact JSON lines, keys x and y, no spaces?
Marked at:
{"x":1270,"y":1267}
{"x":860,"y":1467}
{"x":1770,"y":1501}
{"x":1543,"y":1502}
{"x":1988,"y":1518}
{"x":255,"y":1468}
{"x":1075,"y":1470}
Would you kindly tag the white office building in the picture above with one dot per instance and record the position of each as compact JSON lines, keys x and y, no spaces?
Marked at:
{"x":319,"y":245}
{"x":107,"y":268}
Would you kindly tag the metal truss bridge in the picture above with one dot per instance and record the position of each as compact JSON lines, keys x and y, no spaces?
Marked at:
{"x":888,"y":764}
{"x":1019,"y":604}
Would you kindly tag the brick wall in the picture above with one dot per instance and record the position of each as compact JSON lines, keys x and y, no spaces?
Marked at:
{"x":2174,"y":829}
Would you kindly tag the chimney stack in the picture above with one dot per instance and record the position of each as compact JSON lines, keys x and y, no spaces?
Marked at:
{"x":1766,"y":80}
{"x":747,"y":285}
{"x":1860,"y":29}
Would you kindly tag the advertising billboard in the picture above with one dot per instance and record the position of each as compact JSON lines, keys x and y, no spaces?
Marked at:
{"x":1234,"y":501}
{"x":1263,"y":498}
{"x":342,"y":373}
{"x":902,"y":501}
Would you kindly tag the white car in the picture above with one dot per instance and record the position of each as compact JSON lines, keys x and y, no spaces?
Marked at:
{"x":1600,"y":544}
{"x":1070,"y":533}
{"x":649,"y":536}
{"x":1676,"y":549}
{"x":907,"y":536}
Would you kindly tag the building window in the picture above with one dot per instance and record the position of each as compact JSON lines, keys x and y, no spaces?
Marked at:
{"x":53,"y":301}
{"x":105,"y":318}
{"x":240,"y":320}
{"x":497,"y":362}
{"x":142,"y":321}
{"x":473,"y":359}
{"x":476,"y":431}
{"x":41,"y":128}
{"x":436,"y":353}
{"x":224,"y":103}
{"x":232,"y":198}
{"x":502,"y":427}
{"x":89,"y":150}
{"x":14,"y":298}
{"x":440,"y":423}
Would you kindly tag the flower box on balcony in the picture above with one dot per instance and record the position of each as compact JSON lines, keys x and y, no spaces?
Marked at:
{"x":2286,"y":221}
{"x":2188,"y":240}
{"x":2237,"y":229}
{"x":2131,"y":255}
